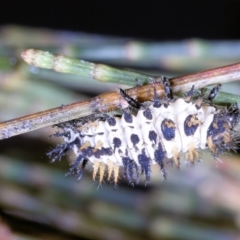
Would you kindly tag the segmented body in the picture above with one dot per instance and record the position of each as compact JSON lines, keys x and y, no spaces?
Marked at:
{"x":160,"y":130}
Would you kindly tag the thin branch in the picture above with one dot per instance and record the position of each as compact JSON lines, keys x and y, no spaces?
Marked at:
{"x":104,"y":103}
{"x":203,"y":79}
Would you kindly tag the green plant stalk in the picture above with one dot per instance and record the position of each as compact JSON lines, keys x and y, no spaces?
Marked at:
{"x":98,"y":72}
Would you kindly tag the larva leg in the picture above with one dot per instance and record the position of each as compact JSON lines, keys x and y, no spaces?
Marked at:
{"x":132,"y":102}
{"x":74,"y":165}
{"x":167,"y":88}
{"x":156,"y":100}
{"x":81,"y":169}
{"x":189,"y":96}
{"x":213,"y":93}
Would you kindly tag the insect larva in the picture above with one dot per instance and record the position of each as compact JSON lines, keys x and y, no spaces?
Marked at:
{"x":159,"y":130}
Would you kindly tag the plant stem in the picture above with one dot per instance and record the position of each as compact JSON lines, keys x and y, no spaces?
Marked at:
{"x":102,"y":103}
{"x":98,"y":72}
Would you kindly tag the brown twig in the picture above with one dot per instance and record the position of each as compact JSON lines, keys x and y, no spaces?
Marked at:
{"x":104,"y":103}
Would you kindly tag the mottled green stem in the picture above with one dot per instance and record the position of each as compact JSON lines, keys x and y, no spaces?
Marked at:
{"x":98,"y":72}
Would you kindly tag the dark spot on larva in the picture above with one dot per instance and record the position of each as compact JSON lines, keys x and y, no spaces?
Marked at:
{"x":87,"y":152}
{"x":144,"y":162}
{"x":97,"y":153}
{"x":120,"y":151}
{"x":217,"y":126}
{"x":135,"y":139}
{"x":77,"y":142}
{"x":101,"y":152}
{"x":127,"y":117}
{"x":111,"y":121}
{"x":89,"y":135}
{"x":152,"y":136}
{"x":100,"y":134}
{"x":168,"y":129}
{"x":117,"y":143}
{"x":107,"y":151}
{"x":147,"y":114}
{"x":190,"y":125}
{"x":131,"y":170}
{"x":159,"y":155}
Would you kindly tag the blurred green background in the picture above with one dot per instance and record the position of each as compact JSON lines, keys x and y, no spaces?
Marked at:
{"x":38,"y":202}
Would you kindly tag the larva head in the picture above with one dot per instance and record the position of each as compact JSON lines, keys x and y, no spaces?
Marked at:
{"x":222,"y":134}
